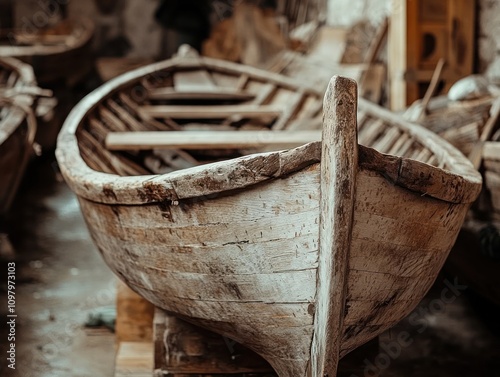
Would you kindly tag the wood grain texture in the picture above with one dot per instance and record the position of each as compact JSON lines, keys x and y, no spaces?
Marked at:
{"x":208,"y":139}
{"x":328,"y":243}
{"x":339,"y":164}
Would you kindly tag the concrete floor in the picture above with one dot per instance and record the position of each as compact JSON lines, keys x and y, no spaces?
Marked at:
{"x":61,"y":279}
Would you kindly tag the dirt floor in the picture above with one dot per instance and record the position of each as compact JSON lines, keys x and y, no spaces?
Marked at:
{"x":62,"y":280}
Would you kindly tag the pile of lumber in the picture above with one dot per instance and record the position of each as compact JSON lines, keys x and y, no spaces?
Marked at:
{"x":249,"y":36}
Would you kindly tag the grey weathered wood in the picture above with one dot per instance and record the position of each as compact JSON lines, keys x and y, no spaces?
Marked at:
{"x":173,"y":94}
{"x":328,"y":243}
{"x":339,"y":165}
{"x":208,"y":139}
{"x":211,"y":112}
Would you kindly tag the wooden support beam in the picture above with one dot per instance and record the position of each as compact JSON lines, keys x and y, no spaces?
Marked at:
{"x":134,"y":359}
{"x":207,"y":139}
{"x":134,"y":320}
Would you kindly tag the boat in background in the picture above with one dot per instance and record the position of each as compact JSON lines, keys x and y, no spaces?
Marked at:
{"x":18,"y":126}
{"x":60,"y":52}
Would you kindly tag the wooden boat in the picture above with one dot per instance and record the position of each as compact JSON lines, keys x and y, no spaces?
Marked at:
{"x":461,"y":123}
{"x":302,"y":254}
{"x":58,"y":52}
{"x":17,"y":133}
{"x":472,"y":126}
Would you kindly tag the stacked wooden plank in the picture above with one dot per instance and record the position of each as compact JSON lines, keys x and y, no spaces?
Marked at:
{"x":322,"y":60}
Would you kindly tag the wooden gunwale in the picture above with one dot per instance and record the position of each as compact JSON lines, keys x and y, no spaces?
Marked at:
{"x":461,"y":181}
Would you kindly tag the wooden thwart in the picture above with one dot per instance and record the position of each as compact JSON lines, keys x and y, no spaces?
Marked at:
{"x":207,"y":139}
{"x":211,"y":112}
{"x":222,"y":95}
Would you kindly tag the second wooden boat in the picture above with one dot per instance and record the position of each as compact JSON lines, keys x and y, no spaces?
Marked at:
{"x":58,"y":52}
{"x":301,"y":255}
{"x":17,"y":133}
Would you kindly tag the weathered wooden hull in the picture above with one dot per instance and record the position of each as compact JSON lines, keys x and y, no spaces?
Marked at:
{"x":16,"y":133}
{"x":67,"y":60}
{"x":216,"y":261}
{"x":301,"y":255}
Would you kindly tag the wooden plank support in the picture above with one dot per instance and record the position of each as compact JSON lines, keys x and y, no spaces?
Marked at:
{"x":134,"y":359}
{"x":207,"y":139}
{"x":184,"y":350}
{"x":211,"y":112}
{"x":134,"y":319}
